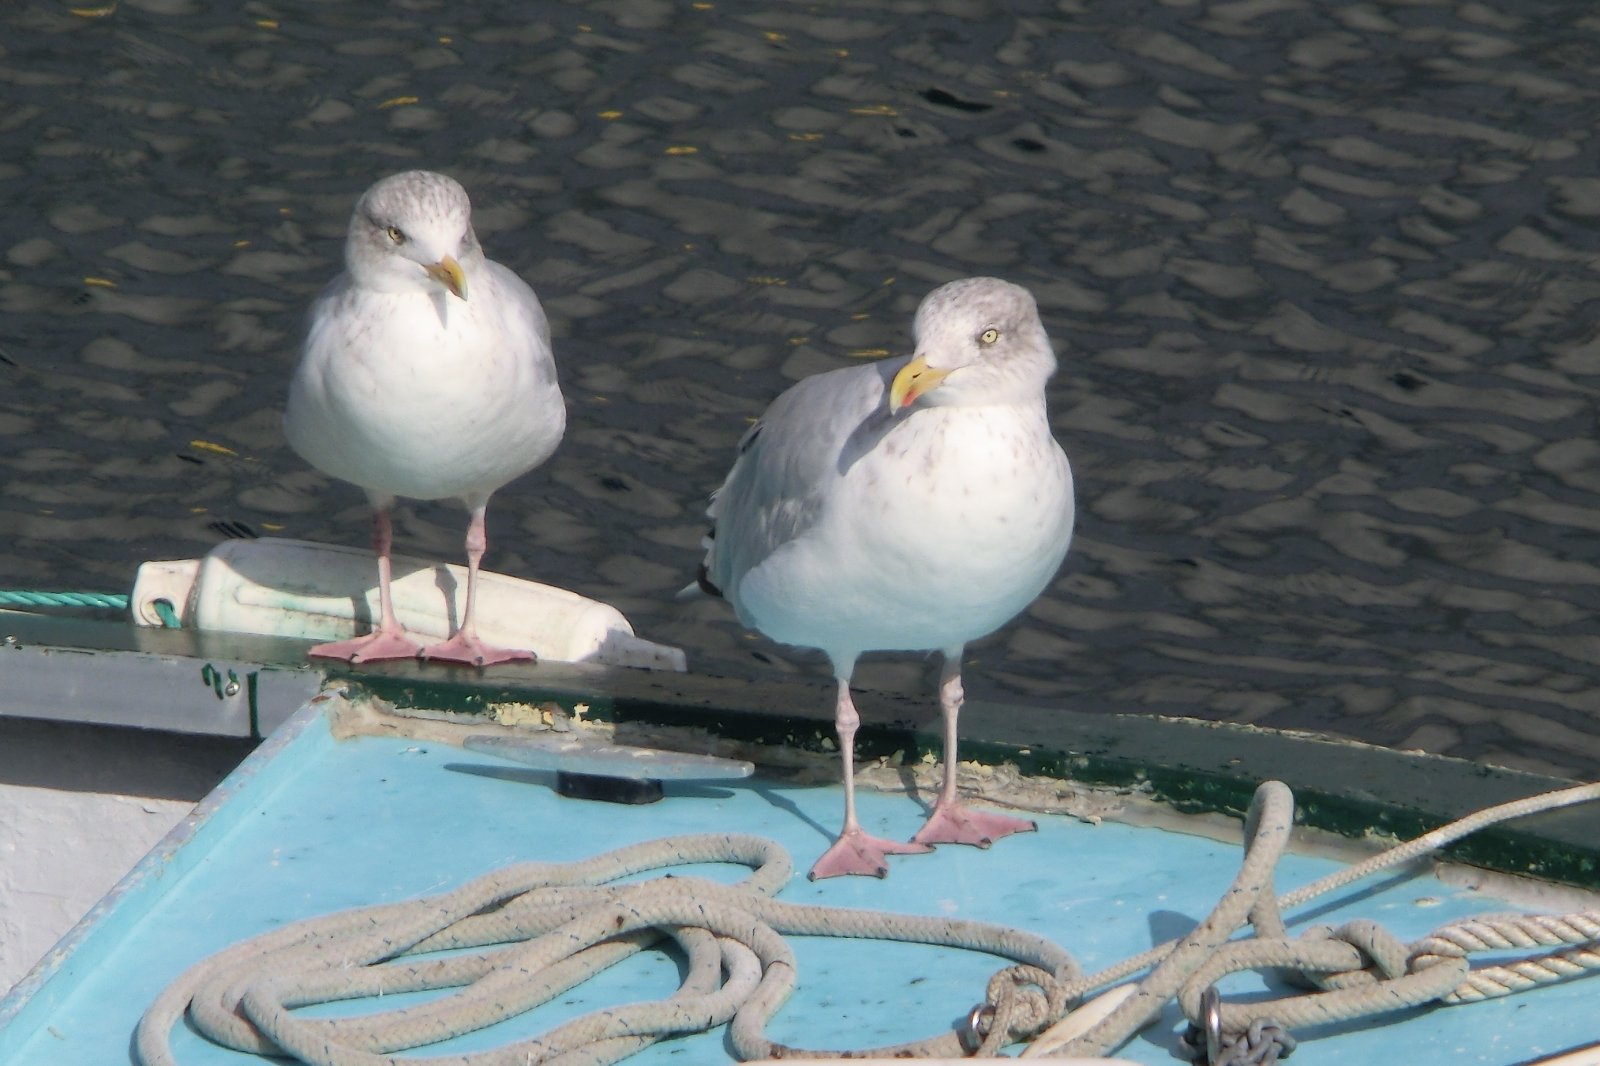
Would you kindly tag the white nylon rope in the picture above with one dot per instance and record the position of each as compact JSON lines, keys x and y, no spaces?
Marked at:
{"x":525,"y":934}
{"x":545,"y":928}
{"x":1364,"y":970}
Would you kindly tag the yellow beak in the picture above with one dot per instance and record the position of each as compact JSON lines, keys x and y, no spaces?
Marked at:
{"x":447,"y":272}
{"x":914,"y":379}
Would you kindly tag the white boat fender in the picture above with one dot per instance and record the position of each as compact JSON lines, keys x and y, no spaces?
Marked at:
{"x":302,"y":589}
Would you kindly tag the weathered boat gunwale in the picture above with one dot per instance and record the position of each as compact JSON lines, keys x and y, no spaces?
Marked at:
{"x":1344,"y":787}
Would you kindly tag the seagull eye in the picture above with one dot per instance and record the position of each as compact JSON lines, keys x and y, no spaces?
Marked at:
{"x":989,"y":336}
{"x":396,"y":234}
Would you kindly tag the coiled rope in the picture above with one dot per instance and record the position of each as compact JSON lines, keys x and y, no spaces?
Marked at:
{"x":544,"y":928}
{"x":547,"y":927}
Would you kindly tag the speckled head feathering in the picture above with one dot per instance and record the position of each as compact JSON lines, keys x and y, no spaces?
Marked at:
{"x":982,"y":341}
{"x":406,"y":223}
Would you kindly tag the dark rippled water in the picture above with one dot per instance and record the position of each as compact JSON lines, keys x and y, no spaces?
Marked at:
{"x":1321,"y":276}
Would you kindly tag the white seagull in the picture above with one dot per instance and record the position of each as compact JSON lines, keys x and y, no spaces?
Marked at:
{"x":426,"y":373}
{"x":905,"y":505}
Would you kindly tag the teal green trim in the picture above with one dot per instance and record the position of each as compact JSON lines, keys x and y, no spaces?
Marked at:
{"x":255,"y":713}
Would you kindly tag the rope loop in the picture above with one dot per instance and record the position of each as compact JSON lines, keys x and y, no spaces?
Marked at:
{"x":1383,"y":956}
{"x":1019,"y":1002}
{"x":1358,"y":984}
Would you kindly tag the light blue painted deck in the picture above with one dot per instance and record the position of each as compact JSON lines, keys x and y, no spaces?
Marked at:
{"x":313,"y":825}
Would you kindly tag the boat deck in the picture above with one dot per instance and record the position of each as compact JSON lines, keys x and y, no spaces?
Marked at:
{"x":313,"y":823}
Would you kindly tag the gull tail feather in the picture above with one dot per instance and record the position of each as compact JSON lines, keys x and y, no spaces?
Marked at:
{"x":702,"y":584}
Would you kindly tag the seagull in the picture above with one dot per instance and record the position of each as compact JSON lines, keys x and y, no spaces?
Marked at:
{"x":426,"y":373}
{"x":914,"y":504}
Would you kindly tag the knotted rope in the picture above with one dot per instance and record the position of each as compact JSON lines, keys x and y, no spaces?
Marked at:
{"x":1362,"y":970}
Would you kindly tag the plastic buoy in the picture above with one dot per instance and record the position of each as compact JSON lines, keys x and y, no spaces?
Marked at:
{"x":298,"y":588}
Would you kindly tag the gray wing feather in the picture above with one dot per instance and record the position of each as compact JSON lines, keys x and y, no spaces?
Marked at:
{"x":786,"y":462}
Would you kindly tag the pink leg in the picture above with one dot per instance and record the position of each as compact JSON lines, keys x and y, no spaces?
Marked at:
{"x":952,"y":822}
{"x":388,"y":640}
{"x":465,"y":647}
{"x":855,"y":852}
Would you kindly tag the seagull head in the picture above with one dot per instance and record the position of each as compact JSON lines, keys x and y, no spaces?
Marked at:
{"x":978,"y":341}
{"x":412,"y":232}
